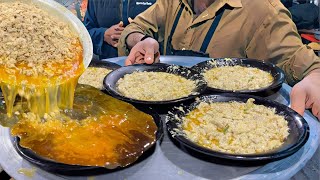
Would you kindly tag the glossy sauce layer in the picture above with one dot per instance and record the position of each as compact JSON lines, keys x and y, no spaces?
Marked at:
{"x":44,"y":93}
{"x":98,"y":131}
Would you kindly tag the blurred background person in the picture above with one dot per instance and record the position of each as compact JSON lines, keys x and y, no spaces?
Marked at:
{"x":306,"y":16}
{"x":77,"y":7}
{"x":106,"y":19}
{"x":305,"y":13}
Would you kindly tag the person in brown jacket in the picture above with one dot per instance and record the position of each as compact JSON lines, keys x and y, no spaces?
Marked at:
{"x":258,"y":29}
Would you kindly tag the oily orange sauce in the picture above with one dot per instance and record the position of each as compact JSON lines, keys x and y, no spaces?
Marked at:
{"x":44,"y":94}
{"x":99,"y":131}
{"x":95,"y":130}
{"x":193,"y":120}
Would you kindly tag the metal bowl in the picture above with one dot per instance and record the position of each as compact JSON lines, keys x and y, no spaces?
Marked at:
{"x":63,"y":14}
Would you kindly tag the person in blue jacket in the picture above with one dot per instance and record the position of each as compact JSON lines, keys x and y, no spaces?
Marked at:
{"x":304,"y":14}
{"x":106,"y":19}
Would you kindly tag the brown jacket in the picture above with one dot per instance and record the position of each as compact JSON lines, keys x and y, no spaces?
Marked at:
{"x":259,"y":29}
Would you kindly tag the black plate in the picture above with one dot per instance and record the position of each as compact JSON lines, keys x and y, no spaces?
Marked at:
{"x":298,"y":136}
{"x":112,"y":78}
{"x":104,"y":64}
{"x":277,"y":74}
{"x":61,"y":168}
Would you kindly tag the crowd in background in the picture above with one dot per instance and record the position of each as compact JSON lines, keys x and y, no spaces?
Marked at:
{"x":305,"y":14}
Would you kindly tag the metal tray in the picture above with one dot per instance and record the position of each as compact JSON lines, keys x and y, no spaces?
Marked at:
{"x":170,"y":161}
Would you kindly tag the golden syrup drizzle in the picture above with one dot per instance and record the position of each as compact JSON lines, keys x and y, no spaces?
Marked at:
{"x":95,"y":130}
{"x":98,"y":131}
{"x":44,"y":94}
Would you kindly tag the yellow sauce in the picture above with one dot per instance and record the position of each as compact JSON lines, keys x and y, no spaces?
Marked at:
{"x":44,"y":94}
{"x":27,"y":172}
{"x":99,"y":131}
{"x":85,"y":128}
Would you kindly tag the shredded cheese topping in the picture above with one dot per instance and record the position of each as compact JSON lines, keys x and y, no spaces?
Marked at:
{"x":235,"y":127}
{"x":94,"y":76}
{"x":237,"y":78}
{"x":155,"y":86}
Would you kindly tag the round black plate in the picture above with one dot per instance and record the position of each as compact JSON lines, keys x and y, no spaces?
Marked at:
{"x":112,"y":78}
{"x":104,"y":64}
{"x":298,"y":136}
{"x":276,"y":72}
{"x":61,"y":168}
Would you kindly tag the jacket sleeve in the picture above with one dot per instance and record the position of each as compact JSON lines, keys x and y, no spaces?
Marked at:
{"x":148,"y":22}
{"x":278,"y":41}
{"x":96,"y":32}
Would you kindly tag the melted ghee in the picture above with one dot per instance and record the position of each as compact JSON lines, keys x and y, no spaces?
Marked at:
{"x":89,"y":129}
{"x":44,"y":94}
{"x":98,"y":131}
{"x":27,"y":172}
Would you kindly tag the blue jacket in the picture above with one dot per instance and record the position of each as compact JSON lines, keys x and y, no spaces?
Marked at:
{"x":102,"y":14}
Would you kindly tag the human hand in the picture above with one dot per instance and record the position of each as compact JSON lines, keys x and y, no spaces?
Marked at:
{"x":306,"y":94}
{"x":112,"y":34}
{"x":130,"y":20}
{"x":146,"y":51}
